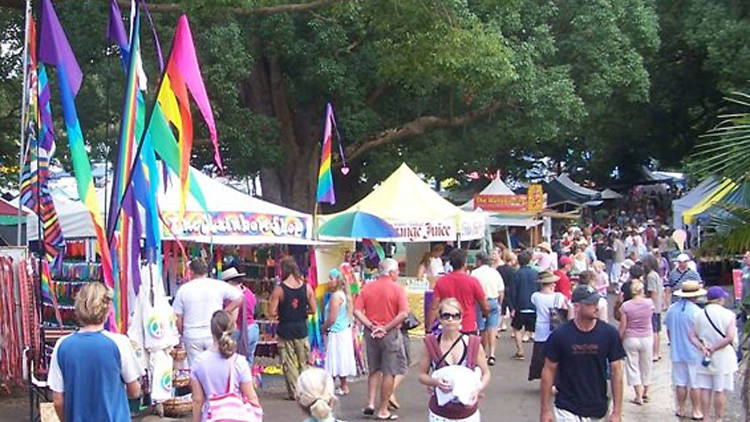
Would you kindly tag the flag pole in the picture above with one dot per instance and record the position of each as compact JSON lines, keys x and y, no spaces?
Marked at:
{"x":24,"y":104}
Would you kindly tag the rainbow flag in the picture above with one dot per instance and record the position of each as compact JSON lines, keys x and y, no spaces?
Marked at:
{"x":374,"y":249}
{"x":325,"y":177}
{"x":183,"y":77}
{"x":55,"y":50}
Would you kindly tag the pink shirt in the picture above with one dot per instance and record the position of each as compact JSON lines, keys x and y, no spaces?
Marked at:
{"x":638,"y":315}
{"x":249,"y":302}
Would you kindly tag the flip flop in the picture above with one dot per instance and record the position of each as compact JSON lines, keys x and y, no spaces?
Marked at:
{"x":393,"y":405}
{"x":634,"y":401}
{"x":491,"y":361}
{"x":519,"y":356}
{"x":368,"y":411}
{"x":390,"y":417}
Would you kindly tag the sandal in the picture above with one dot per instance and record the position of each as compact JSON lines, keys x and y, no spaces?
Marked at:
{"x":639,"y":403}
{"x":519,"y":356}
{"x":390,"y":417}
{"x":491,"y":361}
{"x":392,"y":404}
{"x":368,"y":411}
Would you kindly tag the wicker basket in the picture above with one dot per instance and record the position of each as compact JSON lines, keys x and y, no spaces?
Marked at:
{"x":177,"y":407}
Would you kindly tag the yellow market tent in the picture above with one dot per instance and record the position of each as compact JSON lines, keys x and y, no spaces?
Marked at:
{"x":418,"y":213}
{"x":715,"y":196}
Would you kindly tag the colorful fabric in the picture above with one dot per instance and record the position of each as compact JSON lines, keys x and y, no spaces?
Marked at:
{"x":40,"y":148}
{"x":325,"y":177}
{"x":55,"y":50}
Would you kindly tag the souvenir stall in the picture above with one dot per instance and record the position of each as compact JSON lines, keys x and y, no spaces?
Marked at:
{"x":232,"y":229}
{"x":419,"y":215}
{"x":506,"y":211}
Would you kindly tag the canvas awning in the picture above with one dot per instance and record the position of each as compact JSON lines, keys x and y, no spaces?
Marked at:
{"x":232,"y":217}
{"x":716,"y":195}
{"x":679,"y":206}
{"x":417,"y":212}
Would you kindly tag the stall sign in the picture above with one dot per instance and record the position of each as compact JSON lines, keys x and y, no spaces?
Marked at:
{"x":425,"y":231}
{"x":533,"y":201}
{"x":235,"y":223}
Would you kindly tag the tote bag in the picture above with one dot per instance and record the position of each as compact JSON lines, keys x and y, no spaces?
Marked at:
{"x":232,"y":407}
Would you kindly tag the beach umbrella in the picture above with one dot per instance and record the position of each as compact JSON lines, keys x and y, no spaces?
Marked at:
{"x":357,"y":225}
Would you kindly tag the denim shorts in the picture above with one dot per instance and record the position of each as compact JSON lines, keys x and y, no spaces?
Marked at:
{"x":493,"y":319}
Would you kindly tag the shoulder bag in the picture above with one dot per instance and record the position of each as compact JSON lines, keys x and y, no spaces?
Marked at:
{"x":721,"y":333}
{"x":232,"y":407}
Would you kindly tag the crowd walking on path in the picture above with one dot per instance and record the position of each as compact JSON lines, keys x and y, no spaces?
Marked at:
{"x":555,"y":295}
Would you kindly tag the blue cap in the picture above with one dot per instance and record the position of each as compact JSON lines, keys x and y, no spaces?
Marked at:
{"x":716,"y":292}
{"x":334,"y":273}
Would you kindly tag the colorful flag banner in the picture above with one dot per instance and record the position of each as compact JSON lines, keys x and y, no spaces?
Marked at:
{"x":325,"y":177}
{"x":55,"y":50}
{"x":40,"y":148}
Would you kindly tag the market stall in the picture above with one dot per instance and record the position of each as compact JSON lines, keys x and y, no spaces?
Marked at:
{"x":687,"y":201}
{"x":419,"y":215}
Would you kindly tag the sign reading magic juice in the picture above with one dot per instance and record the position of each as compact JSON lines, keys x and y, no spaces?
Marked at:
{"x":533,"y":201}
{"x":235,"y":223}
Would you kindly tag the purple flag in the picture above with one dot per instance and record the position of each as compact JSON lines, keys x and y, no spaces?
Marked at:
{"x":54,"y":48}
{"x":116,"y":29}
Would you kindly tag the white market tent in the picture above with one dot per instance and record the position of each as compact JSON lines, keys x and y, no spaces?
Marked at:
{"x":498,"y":187}
{"x":690,"y":199}
{"x":416,"y":211}
{"x":233,"y":217}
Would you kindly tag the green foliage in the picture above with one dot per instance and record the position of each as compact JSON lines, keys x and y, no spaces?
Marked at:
{"x":596,"y":84}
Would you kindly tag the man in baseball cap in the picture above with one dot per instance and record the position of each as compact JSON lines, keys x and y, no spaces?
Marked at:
{"x":679,"y":275}
{"x":576,"y":354}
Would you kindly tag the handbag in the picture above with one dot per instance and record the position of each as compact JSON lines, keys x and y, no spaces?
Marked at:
{"x":411,"y":322}
{"x":232,"y":407}
{"x":557,"y":316}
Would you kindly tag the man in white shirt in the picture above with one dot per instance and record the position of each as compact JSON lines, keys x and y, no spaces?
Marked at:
{"x":195,"y":303}
{"x":494,"y":288}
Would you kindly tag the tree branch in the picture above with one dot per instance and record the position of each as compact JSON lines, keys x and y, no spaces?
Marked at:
{"x":419,"y":126}
{"x":176,"y":7}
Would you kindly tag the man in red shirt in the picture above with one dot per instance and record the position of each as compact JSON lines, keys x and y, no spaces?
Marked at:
{"x":563,"y":284}
{"x":381,"y":307}
{"x":465,"y":288}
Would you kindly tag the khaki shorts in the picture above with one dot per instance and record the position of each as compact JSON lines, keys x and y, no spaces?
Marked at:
{"x":386,"y":354}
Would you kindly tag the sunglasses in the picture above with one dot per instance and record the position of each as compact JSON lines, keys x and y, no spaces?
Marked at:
{"x":450,"y":317}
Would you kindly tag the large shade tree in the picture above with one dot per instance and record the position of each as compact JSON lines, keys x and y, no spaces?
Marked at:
{"x":448,"y":86}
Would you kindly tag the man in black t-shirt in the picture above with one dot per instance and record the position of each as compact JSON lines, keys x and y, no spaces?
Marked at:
{"x":576,"y":358}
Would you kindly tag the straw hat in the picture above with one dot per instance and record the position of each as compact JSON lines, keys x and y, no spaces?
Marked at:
{"x":546,"y":277}
{"x":230,"y":274}
{"x":690,"y":288}
{"x":545,"y":247}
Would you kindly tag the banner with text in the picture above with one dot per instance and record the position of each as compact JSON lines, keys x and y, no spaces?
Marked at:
{"x":236,"y":223}
{"x":533,"y":201}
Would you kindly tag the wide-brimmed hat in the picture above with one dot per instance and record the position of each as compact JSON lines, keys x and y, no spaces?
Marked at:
{"x":545,"y":247}
{"x":690,"y":288}
{"x":231,"y":273}
{"x":546,"y":277}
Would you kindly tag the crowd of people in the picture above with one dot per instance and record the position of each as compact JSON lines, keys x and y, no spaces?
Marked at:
{"x":554,"y":295}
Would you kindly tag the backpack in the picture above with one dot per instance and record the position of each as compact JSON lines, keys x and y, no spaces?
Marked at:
{"x":433,"y":350}
{"x":232,"y":407}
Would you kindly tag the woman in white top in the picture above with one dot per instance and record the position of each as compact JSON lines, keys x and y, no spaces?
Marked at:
{"x":546,"y":301}
{"x":715,"y":334}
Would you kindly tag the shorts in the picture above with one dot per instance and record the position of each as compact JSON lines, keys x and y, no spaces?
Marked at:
{"x":715,"y":382}
{"x":537,"y":361}
{"x":386,"y":354}
{"x":684,"y":374}
{"x":492,"y":320}
{"x":656,"y":322}
{"x":525,"y":321}
{"x":562,"y":415}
